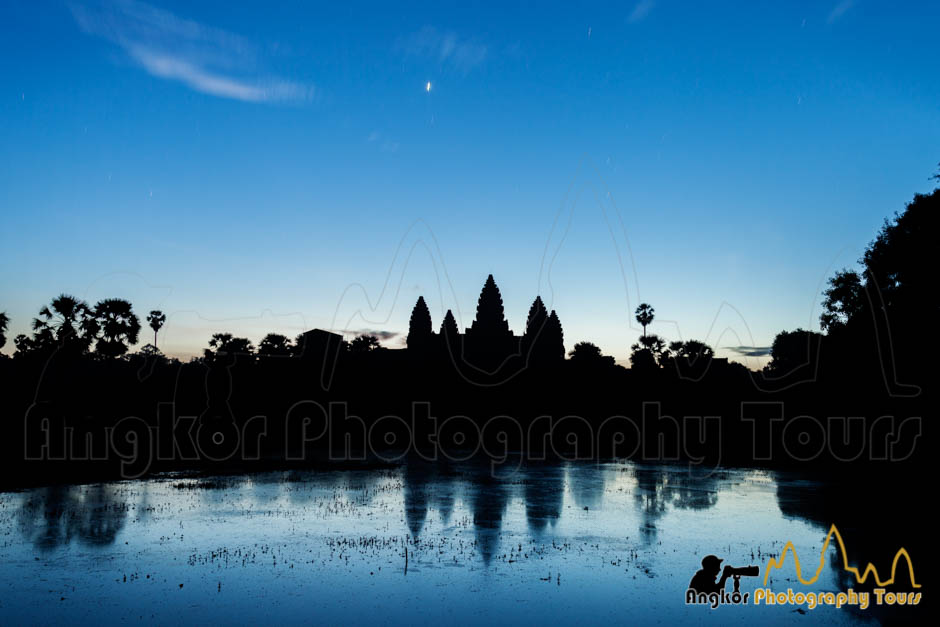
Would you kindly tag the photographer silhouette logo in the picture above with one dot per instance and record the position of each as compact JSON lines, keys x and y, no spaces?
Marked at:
{"x":705,"y":590}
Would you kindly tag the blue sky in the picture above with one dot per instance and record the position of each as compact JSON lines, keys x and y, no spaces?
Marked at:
{"x":281,"y":166}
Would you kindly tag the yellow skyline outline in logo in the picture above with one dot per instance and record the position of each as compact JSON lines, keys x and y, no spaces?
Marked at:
{"x":859,"y":577}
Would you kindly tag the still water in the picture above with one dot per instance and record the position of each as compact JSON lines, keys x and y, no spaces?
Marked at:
{"x":461,"y":544}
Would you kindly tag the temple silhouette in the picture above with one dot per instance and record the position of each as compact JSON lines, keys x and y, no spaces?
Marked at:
{"x":489,"y":341}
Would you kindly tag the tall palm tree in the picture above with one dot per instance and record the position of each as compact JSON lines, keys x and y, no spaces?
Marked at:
{"x":155,"y":319}
{"x":119,"y":326}
{"x":66,"y":321}
{"x":644,"y":315}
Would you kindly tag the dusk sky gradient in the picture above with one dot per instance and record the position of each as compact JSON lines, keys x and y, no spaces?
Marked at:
{"x":283,"y":166}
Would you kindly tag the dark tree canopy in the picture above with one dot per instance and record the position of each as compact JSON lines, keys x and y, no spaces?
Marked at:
{"x":585,"y":351}
{"x":690,"y":359}
{"x":692,"y":352}
{"x":844,"y":300}
{"x":648,"y":352}
{"x":224,"y":344}
{"x":275,"y":345}
{"x":119,"y":327}
{"x":875,"y":318}
{"x":364,"y":344}
{"x":643,"y":359}
{"x":902,"y":262}
{"x":419,"y":328}
{"x":67,"y":322}
{"x":792,"y":350}
{"x":898,"y":276}
{"x":149,"y":350}
{"x":24,"y":344}
{"x":588,"y":354}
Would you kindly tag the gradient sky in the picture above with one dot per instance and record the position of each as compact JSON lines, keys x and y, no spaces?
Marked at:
{"x":283,"y":166}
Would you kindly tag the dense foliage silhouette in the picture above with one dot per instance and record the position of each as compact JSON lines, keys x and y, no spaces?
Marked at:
{"x":75,"y":374}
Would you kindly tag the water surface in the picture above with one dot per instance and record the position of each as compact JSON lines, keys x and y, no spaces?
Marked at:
{"x":455,"y":544}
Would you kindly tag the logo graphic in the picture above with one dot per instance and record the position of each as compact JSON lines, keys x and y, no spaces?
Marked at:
{"x":859,"y":577}
{"x":862,"y":599}
{"x":705,"y":590}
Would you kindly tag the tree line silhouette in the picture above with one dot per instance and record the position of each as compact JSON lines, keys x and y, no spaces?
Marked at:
{"x":875,"y":356}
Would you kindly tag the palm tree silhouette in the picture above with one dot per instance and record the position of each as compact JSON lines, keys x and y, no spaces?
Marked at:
{"x":364,"y":344}
{"x":648,"y":352}
{"x":119,"y":326}
{"x":275,"y":344}
{"x":225,"y":344}
{"x":66,"y":321}
{"x":155,"y":319}
{"x":691,"y":351}
{"x":644,"y":315}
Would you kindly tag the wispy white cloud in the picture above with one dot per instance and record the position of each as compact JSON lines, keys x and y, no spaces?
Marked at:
{"x":641,"y":10}
{"x":839,"y":10}
{"x":444,"y":47}
{"x":207,"y":59}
